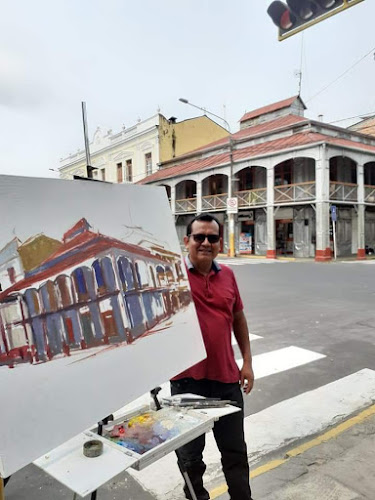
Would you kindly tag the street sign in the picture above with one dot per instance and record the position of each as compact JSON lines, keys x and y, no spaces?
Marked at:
{"x":333,"y":213}
{"x":232,"y":205}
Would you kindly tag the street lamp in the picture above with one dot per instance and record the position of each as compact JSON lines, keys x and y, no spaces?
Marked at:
{"x":232,"y":247}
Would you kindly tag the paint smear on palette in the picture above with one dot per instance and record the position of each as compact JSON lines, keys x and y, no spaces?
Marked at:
{"x":144,"y":432}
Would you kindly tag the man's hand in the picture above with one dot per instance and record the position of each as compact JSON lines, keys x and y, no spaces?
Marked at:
{"x":247,"y":378}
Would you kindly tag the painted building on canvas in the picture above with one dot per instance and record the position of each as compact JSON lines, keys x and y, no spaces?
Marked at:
{"x":17,"y":257}
{"x":93,"y":290}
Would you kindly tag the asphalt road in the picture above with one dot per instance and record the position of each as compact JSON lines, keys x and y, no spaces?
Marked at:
{"x":325,"y":308}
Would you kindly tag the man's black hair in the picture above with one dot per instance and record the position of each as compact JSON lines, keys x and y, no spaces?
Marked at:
{"x":203,"y":218}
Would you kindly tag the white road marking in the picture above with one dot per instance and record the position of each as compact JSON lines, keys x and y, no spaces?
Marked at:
{"x":252,"y":337}
{"x":372,"y":261}
{"x":242,"y":262}
{"x":281,"y":360}
{"x":266,"y":431}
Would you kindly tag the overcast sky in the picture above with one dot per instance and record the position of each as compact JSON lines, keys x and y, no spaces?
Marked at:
{"x":128,"y":58}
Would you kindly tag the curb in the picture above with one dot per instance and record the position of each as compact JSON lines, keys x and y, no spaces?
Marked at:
{"x":298,"y":450}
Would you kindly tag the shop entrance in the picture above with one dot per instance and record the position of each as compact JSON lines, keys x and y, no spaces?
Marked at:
{"x":284,"y":237}
{"x":247,"y":237}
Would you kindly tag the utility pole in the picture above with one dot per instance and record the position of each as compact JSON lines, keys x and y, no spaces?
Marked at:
{"x":89,"y":168}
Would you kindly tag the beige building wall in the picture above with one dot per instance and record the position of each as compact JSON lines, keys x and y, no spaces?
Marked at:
{"x":366,"y":126}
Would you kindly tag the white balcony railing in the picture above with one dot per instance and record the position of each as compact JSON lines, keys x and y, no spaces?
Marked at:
{"x":252,"y":197}
{"x":370,"y":194}
{"x":342,"y":191}
{"x":186,"y":205}
{"x":294,"y":192}
{"x":214,"y":202}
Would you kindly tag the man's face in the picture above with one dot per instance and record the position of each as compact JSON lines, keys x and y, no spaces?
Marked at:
{"x":202,"y":252}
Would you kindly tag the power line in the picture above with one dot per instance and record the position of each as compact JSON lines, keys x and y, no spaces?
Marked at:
{"x":342,"y":74}
{"x":363,"y":115}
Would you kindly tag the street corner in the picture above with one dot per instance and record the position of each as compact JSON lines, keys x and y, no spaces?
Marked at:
{"x":336,"y":465}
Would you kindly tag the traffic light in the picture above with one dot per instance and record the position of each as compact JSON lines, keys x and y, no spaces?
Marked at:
{"x":297,"y":15}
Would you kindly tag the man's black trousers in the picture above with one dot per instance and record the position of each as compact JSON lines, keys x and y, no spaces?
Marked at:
{"x":229,"y":436}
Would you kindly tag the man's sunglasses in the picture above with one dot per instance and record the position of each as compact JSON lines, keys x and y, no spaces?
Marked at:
{"x":200,"y":237}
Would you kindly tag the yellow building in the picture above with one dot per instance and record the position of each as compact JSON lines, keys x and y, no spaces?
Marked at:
{"x":36,"y":249}
{"x":178,"y":138}
{"x":136,"y":152}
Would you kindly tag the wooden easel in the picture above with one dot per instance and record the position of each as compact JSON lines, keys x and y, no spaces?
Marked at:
{"x":2,"y":493}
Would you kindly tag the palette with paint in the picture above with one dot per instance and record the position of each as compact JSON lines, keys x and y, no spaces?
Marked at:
{"x":149,"y":435}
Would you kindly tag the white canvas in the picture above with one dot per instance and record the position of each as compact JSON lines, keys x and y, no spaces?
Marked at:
{"x":95,"y":308}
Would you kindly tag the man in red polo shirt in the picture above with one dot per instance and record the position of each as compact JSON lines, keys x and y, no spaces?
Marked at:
{"x":220,"y":310}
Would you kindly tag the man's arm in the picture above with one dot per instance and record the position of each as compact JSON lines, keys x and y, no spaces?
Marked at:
{"x":241,"y":332}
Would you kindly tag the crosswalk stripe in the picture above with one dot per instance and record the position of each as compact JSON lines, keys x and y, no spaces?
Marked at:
{"x":243,"y":262}
{"x":281,"y":360}
{"x":252,"y":337}
{"x":296,"y":418}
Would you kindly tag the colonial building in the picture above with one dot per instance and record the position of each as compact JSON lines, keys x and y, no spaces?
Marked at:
{"x":135,"y":152}
{"x":287,"y":172}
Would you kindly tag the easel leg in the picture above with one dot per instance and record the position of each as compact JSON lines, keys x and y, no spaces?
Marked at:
{"x":186,"y":477}
{"x":2,"y":493}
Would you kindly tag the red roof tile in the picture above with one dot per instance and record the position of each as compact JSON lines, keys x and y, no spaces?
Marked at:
{"x":261,"y":149}
{"x":268,"y":109}
{"x":271,"y":125}
{"x":262,"y":128}
{"x":351,"y":144}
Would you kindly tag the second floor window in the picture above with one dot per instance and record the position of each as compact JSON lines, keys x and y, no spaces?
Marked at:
{"x":148,"y":162}
{"x":120,"y":177}
{"x":129,"y":171}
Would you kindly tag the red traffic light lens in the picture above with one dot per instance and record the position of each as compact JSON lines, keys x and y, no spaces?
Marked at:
{"x":281,"y":15}
{"x":285,"y":20}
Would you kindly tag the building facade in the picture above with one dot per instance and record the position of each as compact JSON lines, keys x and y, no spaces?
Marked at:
{"x":135,"y":152}
{"x":286,"y":171}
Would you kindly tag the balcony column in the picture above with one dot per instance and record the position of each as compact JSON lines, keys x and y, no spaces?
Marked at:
{"x":323,"y":246}
{"x":173,"y":199}
{"x":361,"y":252}
{"x":271,"y":230}
{"x":199,"y":197}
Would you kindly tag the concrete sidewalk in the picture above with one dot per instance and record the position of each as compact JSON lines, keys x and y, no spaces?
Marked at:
{"x":337,"y":465}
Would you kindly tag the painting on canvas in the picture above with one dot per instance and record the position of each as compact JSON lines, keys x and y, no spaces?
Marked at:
{"x":95,"y":307}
